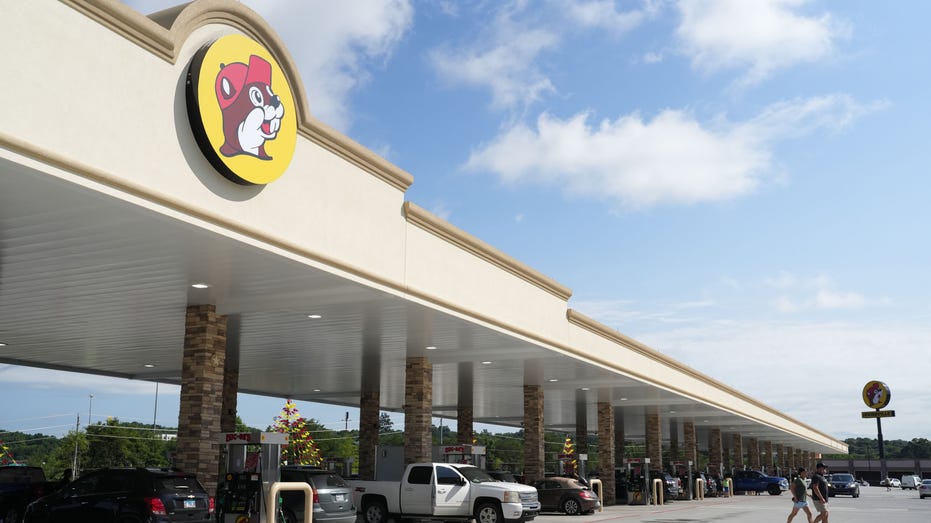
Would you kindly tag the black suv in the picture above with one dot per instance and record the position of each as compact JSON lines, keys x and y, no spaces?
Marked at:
{"x":126,"y":496}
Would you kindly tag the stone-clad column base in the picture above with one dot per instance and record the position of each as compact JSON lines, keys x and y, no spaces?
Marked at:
{"x":606,"y":451}
{"x":533,"y":432}
{"x":201,"y":406}
{"x":654,"y":438}
{"x":418,"y":411}
{"x":369,"y":424}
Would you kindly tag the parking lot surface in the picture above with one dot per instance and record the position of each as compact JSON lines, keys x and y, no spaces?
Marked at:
{"x":875,"y":504}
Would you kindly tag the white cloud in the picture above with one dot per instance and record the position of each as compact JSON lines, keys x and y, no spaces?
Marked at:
{"x":783,"y":363}
{"x":799,"y":294}
{"x":604,"y":14}
{"x":506,"y":66}
{"x":652,"y":57}
{"x":335,"y":46}
{"x":671,"y":159}
{"x":760,"y":36}
{"x":505,"y":59}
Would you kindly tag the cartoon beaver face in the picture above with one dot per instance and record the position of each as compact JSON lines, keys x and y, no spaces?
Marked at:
{"x":251,"y":111}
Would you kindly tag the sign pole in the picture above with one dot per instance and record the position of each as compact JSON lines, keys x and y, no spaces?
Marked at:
{"x":882,"y":451}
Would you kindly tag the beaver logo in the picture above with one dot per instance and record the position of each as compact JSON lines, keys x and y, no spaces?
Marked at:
{"x":252,"y":112}
{"x":242,"y":110}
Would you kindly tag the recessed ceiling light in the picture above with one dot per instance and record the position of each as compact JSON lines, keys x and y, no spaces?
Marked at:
{"x":149,"y":365}
{"x":553,"y":380}
{"x":314,"y":316}
{"x":486,"y":363}
{"x":200,"y":286}
{"x":705,"y":421}
{"x":2,"y":344}
{"x":431,"y":347}
{"x":316,"y":390}
{"x":672,"y":412}
{"x":584,"y":388}
{"x":623,"y":399}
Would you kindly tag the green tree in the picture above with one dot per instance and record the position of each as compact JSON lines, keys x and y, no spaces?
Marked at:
{"x":60,"y":461}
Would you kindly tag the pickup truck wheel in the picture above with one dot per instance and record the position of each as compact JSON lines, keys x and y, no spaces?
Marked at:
{"x":374,"y":512}
{"x":774,"y":490}
{"x":488,"y":513}
{"x":571,"y":507}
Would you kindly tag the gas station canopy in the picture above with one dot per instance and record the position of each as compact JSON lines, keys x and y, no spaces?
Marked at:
{"x":109,"y":219}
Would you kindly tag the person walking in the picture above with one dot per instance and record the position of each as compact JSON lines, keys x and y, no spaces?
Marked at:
{"x":799,"y":495}
{"x":819,"y":493}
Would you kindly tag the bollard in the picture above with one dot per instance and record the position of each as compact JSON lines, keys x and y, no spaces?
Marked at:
{"x":658,"y":494}
{"x":601,"y":496}
{"x":271,"y":502}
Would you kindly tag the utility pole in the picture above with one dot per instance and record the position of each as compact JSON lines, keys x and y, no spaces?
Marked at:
{"x":74,"y":463}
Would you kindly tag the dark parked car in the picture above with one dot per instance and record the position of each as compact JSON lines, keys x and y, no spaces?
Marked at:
{"x":19,"y":486}
{"x":124,"y":495}
{"x":566,"y":495}
{"x":332,"y":495}
{"x":844,"y":484}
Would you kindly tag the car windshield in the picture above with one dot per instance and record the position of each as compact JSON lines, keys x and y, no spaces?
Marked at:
{"x":842,"y":478}
{"x":926,"y":482}
{"x":476,"y":475}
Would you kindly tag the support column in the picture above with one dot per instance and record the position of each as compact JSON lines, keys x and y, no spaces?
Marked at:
{"x":606,"y":451}
{"x":781,"y":464}
{"x":737,"y":458}
{"x":654,"y":438}
{"x":202,"y":377}
{"x":369,"y":425}
{"x":581,"y":423}
{"x":715,"y":452}
{"x":230,"y":390}
{"x":464,"y":411}
{"x":753,"y":454}
{"x":370,"y":398}
{"x":673,"y":440}
{"x":418,"y":410}
{"x":533,"y":432}
{"x":768,"y":462}
{"x":790,"y":459}
{"x":691,"y":444}
{"x":619,"y":453}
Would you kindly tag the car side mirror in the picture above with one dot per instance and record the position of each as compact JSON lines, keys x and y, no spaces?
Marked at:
{"x":461,"y":481}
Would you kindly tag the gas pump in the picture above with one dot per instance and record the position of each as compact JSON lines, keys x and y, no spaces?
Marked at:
{"x":341,"y":466}
{"x":467,"y":454}
{"x":638,"y":481}
{"x":683,"y":471}
{"x":252,"y":463}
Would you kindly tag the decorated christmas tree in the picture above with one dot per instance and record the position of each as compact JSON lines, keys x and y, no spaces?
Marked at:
{"x":6,"y":458}
{"x":568,"y":450}
{"x":301,"y":448}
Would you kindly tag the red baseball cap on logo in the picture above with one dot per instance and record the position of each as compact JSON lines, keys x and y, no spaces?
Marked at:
{"x":233,"y":77}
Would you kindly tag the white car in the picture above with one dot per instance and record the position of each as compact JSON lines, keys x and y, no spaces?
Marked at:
{"x":924,"y":489}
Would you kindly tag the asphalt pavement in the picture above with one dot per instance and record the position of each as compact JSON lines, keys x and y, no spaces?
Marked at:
{"x":875,"y":504}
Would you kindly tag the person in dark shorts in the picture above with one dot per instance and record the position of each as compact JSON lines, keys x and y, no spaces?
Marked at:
{"x":819,"y":493}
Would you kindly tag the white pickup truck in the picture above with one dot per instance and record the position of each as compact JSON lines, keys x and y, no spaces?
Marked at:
{"x":445,"y":491}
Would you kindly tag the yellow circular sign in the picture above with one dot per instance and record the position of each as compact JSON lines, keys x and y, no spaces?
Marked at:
{"x":876,"y":394}
{"x":242,"y":110}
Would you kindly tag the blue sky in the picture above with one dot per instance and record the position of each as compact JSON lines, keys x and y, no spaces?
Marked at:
{"x":739,"y":184}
